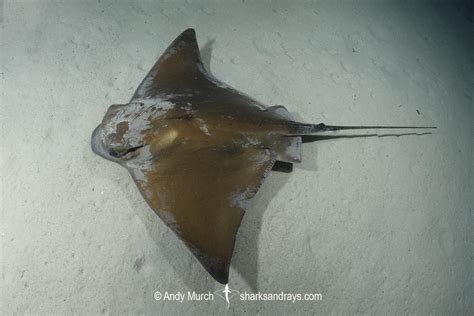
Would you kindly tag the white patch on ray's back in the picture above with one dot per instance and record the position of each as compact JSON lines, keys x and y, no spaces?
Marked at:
{"x":203,"y":126}
{"x":162,"y":104}
{"x":289,"y":149}
{"x":261,"y":158}
{"x":137,"y":114}
{"x":141,"y":164}
{"x":240,"y":199}
{"x":188,"y":108}
{"x":250,"y":142}
{"x":170,"y":52}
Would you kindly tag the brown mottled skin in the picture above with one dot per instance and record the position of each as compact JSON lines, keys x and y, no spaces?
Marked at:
{"x":197,"y":163}
{"x":198,"y":176}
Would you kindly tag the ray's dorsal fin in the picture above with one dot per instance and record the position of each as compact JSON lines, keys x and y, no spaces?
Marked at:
{"x":179,"y":64}
{"x":279,"y":111}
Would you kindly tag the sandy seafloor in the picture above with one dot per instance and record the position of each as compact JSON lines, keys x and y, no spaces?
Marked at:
{"x":377,"y":225}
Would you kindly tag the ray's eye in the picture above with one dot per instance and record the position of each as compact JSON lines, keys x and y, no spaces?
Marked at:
{"x":118,"y":153}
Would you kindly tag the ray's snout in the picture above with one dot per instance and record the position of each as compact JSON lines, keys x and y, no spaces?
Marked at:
{"x":95,"y":141}
{"x":118,"y":153}
{"x":98,"y":146}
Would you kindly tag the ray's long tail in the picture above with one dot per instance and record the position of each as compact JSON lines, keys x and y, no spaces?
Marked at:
{"x":310,"y":129}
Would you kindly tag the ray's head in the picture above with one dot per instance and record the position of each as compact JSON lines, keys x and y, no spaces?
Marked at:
{"x":121,"y":134}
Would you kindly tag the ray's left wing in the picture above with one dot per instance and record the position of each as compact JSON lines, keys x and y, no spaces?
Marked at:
{"x":201,"y":195}
{"x":180,"y":75}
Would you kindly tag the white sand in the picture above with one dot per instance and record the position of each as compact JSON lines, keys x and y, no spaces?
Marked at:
{"x":377,"y":225}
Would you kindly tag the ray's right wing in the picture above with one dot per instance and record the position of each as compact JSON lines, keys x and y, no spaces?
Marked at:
{"x":201,"y":195}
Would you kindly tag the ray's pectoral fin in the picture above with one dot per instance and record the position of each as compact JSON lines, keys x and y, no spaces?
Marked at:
{"x":202,"y":196}
{"x":179,"y":65}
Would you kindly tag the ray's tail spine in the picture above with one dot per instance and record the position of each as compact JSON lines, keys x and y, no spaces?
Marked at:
{"x":309,"y":129}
